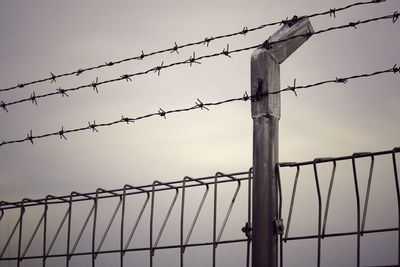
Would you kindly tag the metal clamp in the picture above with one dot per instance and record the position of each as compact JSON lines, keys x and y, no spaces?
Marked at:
{"x":279,"y":226}
{"x":247,"y":229}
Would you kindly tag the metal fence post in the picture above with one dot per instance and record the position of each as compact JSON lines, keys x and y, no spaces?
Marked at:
{"x":265,"y":110}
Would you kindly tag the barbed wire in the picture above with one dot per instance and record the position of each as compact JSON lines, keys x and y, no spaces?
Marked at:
{"x":331,"y":12}
{"x":192,"y":60}
{"x":198,"y":105}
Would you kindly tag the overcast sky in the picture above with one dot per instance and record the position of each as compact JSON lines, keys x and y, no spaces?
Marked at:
{"x":39,"y":37}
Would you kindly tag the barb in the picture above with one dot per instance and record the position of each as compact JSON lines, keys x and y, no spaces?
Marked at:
{"x":3,"y":106}
{"x":332,"y":12}
{"x":61,"y":133}
{"x":94,"y":85}
{"x":29,"y":137}
{"x":162,"y":113}
{"x":206,"y":41}
{"x":175,"y":48}
{"x":293,"y":88}
{"x":193,"y":59}
{"x":127,"y":120}
{"x":33,"y":98}
{"x":226,"y":51}
{"x":198,"y":105}
{"x":53,"y":77}
{"x":92,"y":126}
{"x":62,"y":92}
{"x":159,"y":68}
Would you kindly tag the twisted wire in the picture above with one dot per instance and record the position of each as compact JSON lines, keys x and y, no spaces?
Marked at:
{"x":198,"y":105}
{"x":53,"y":77}
{"x":225,"y":52}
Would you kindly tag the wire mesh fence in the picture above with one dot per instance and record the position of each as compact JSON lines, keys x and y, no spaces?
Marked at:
{"x":163,"y":223}
{"x":129,"y":223}
{"x":333,"y":210}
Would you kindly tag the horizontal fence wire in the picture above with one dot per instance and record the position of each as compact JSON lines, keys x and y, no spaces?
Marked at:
{"x":198,"y":105}
{"x":193,"y":60}
{"x":322,"y":218}
{"x":148,"y":192}
{"x":331,"y":12}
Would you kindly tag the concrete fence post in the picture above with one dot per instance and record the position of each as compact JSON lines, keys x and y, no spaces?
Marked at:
{"x":266,"y":112}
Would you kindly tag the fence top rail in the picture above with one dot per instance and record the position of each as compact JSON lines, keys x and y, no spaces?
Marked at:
{"x":128,"y":190}
{"x":195,"y":182}
{"x":354,"y":156}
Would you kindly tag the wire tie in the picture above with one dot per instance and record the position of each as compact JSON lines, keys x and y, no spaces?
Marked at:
{"x":53,"y":77}
{"x":291,"y":22}
{"x":293,"y":89}
{"x":158,"y":68}
{"x":62,"y":92}
{"x":162,"y":113}
{"x":21,"y":85}
{"x":79,"y":72}
{"x":61,"y":133}
{"x":192,"y":59}
{"x":142,"y":55}
{"x":245,"y":96}
{"x":201,"y":105}
{"x":3,"y":106}
{"x":354,"y":24}
{"x":341,"y":80}
{"x":29,"y":137}
{"x":244,"y":31}
{"x":208,"y":40}
{"x":93,"y":126}
{"x":109,"y":63}
{"x":396,"y":15}
{"x":395,"y":69}
{"x":226,"y":51}
{"x":127,"y":120}
{"x":332,"y":11}
{"x":94,"y":85}
{"x":267,"y":45}
{"x":308,"y":34}
{"x":294,"y":20}
{"x":33,"y":98}
{"x":175,"y":49}
{"x":126,"y":77}
{"x":285,"y":21}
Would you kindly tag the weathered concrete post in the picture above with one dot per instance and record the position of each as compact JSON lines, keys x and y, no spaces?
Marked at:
{"x":266,"y":111}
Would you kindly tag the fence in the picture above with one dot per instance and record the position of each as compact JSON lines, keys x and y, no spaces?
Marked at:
{"x":127,"y":230}
{"x":99,"y":223}
{"x":127,"y":233}
{"x":359,"y":213}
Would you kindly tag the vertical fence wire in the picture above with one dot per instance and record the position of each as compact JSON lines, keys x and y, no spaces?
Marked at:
{"x":396,"y":181}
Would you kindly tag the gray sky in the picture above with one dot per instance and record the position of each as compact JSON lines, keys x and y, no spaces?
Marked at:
{"x":39,"y":37}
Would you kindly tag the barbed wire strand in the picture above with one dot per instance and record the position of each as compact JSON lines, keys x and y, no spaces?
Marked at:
{"x":225,"y":52}
{"x":176,"y":47}
{"x":198,"y":105}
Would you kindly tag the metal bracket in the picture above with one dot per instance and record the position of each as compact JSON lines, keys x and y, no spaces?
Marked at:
{"x":247,"y":229}
{"x":279,"y":226}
